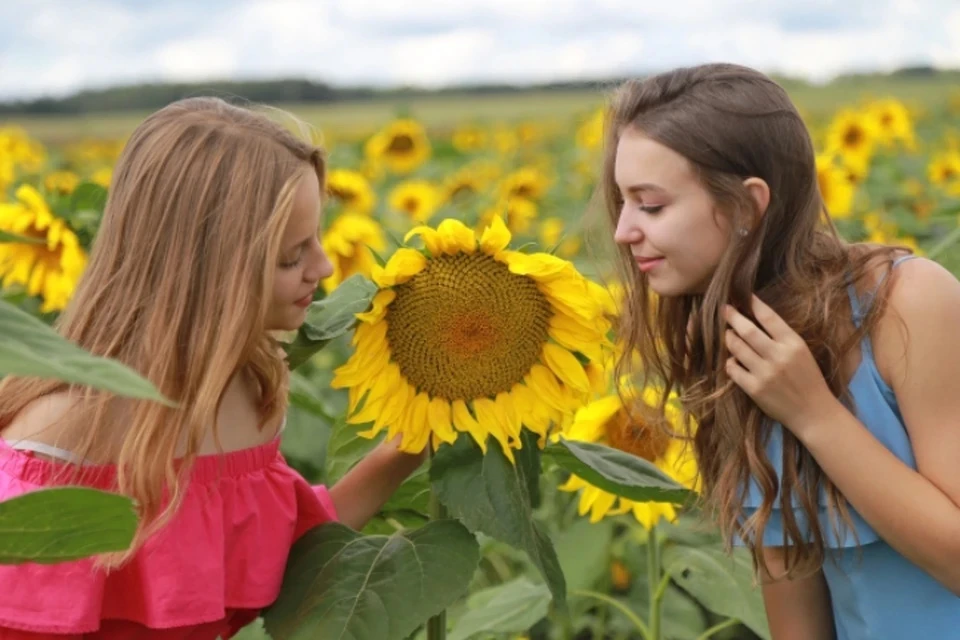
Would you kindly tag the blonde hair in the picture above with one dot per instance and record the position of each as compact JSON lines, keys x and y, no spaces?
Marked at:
{"x":178,"y":288}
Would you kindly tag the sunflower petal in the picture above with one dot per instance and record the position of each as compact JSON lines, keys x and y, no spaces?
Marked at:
{"x":566,"y":367}
{"x":403,"y":265}
{"x":379,"y":307}
{"x":431,"y":239}
{"x":465,"y":422}
{"x":440,"y":420}
{"x":495,"y":237}
{"x":456,"y":237}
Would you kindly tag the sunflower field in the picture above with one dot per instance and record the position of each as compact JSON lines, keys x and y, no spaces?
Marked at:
{"x":470,"y":312}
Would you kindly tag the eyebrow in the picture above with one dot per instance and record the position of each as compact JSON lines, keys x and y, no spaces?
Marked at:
{"x":299,"y":244}
{"x":644,"y":186}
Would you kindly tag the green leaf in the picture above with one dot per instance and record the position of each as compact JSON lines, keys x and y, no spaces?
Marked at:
{"x":584,"y":552}
{"x":721,"y":583}
{"x":492,"y":496}
{"x":344,"y":449}
{"x":13,"y":237}
{"x":330,"y":318}
{"x":512,"y":607}
{"x":88,"y":196}
{"x":340,"y":584}
{"x":617,"y":472}
{"x":413,"y":494}
{"x":64,"y":523}
{"x":28,"y":347}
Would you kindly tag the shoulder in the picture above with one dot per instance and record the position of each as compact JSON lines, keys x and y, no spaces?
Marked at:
{"x":922,"y":312}
{"x":38,"y":420}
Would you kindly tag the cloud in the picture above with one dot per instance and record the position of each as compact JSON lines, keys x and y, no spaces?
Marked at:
{"x":57,"y":46}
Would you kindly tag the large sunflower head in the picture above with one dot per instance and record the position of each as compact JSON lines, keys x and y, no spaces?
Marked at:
{"x":401,"y":146}
{"x":470,"y":336}
{"x":631,"y":428}
{"x":49,"y":267}
{"x":351,"y":190}
{"x":348,"y":242}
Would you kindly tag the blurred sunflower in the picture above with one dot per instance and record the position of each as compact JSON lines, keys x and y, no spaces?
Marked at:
{"x":61,"y":182}
{"x":468,"y":138}
{"x":474,"y":338}
{"x":590,"y":132}
{"x":518,"y":212}
{"x":836,"y":188}
{"x":6,"y":173}
{"x":852,"y":135}
{"x":882,"y":231}
{"x":893,"y":122}
{"x":944,"y":171}
{"x":609,"y":422}
{"x":348,"y":242}
{"x":22,"y":150}
{"x":418,"y":199}
{"x":102,"y":177}
{"x":401,"y":146}
{"x":527,"y":182}
{"x":352,"y":190}
{"x":552,"y":235}
{"x":463,"y":184}
{"x":49,"y":267}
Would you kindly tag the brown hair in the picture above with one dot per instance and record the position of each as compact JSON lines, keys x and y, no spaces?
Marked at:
{"x":730,"y":123}
{"x":178,"y":288}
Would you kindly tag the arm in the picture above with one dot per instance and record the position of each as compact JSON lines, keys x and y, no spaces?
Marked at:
{"x":917,"y":512}
{"x":796,"y":609}
{"x":360,"y":494}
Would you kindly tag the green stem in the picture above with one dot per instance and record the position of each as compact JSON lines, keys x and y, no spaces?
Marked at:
{"x":726,"y":624}
{"x":437,"y":625}
{"x":653,"y":581}
{"x":619,"y":606}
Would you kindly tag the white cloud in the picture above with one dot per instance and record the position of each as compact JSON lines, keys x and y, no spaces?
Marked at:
{"x":56,"y":46}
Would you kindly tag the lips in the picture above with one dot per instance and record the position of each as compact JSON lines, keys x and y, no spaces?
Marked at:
{"x":647,"y":263}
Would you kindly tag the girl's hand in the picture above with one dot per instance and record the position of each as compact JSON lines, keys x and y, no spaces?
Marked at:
{"x":774,"y":366}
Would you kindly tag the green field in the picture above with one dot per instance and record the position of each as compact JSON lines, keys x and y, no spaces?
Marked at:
{"x":446,"y":111}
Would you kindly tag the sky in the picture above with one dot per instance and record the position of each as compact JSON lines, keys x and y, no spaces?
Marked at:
{"x":56,"y":47}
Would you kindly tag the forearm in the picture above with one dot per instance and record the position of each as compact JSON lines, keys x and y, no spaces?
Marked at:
{"x":363,"y":491}
{"x":799,"y":609}
{"x":908,"y":511}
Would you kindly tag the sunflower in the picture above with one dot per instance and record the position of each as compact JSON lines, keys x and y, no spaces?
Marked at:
{"x":21,"y":149}
{"x":944,"y":171}
{"x":418,"y":199}
{"x":462,"y":185}
{"x":892,"y":122}
{"x":61,"y":182}
{"x":471,"y":337}
{"x":352,"y":190}
{"x":852,"y":135}
{"x":50,"y":268}
{"x":469,"y":138}
{"x":518,"y":212}
{"x":527,"y":182}
{"x":609,"y":422}
{"x":836,"y":188}
{"x":552,"y":235}
{"x":102,"y":177}
{"x":401,"y":146}
{"x":590,"y":132}
{"x":6,"y":173}
{"x":349,"y":242}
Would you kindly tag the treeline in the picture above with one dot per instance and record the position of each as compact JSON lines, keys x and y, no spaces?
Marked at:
{"x":155,"y":95}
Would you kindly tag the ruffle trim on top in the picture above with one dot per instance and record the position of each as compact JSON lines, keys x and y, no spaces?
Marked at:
{"x":224,"y":550}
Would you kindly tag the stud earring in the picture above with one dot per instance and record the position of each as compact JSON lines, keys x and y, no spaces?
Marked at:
{"x":744,"y":232}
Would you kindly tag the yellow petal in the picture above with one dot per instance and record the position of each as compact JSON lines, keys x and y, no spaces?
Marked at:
{"x":566,"y":367}
{"x":440,"y":420}
{"x":403,"y":265}
{"x":543,"y":383}
{"x":495,"y":237}
{"x":379,"y":307}
{"x":456,"y":237}
{"x":431,"y":239}
{"x":417,"y":432}
{"x":465,"y":422}
{"x":540,"y":266}
{"x":488,"y":416}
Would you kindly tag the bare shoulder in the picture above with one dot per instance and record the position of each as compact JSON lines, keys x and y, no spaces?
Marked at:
{"x":41,"y":419}
{"x":923,"y":303}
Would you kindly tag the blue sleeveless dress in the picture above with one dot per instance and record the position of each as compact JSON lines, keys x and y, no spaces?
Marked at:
{"x":876,"y":593}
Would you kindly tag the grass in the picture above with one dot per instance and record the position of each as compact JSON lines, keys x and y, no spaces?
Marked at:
{"x":445,"y":112}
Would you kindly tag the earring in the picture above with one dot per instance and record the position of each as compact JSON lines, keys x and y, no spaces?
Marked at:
{"x":744,"y":232}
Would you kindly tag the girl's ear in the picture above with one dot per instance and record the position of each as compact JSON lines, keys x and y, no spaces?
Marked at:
{"x":760,"y":192}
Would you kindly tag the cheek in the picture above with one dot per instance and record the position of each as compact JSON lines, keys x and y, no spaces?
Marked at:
{"x":285,"y":285}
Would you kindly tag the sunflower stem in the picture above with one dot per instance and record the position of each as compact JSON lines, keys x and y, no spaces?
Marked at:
{"x":726,"y":624}
{"x":437,"y":625}
{"x":619,"y":606}
{"x":653,"y":579}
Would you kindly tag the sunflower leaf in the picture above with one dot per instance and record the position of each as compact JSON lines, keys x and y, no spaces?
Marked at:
{"x":512,"y":607}
{"x":88,"y":196}
{"x":63,"y":524}
{"x":28,"y":347}
{"x":720,"y":583}
{"x":341,"y":584}
{"x":617,"y":472}
{"x":330,"y":318}
{"x":492,"y":496}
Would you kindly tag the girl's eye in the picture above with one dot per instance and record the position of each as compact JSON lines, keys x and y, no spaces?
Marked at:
{"x":651,"y":208}
{"x":293,"y":263}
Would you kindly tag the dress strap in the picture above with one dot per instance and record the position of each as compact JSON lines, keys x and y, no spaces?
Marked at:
{"x":861,"y":309}
{"x":46,"y":449}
